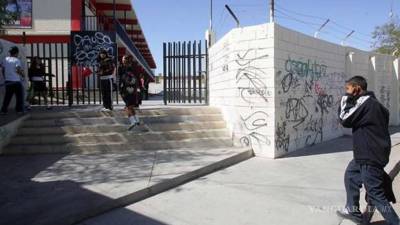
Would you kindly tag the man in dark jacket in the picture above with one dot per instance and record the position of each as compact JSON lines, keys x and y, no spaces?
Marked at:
{"x":369,"y":120}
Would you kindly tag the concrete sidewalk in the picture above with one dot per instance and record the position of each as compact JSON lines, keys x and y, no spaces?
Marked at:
{"x":304,"y":188}
{"x":62,"y":189}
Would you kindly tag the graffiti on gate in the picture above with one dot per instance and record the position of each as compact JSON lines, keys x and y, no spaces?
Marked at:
{"x":86,"y":45}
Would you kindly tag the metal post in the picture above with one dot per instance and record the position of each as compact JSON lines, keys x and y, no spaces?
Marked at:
{"x":272,"y":11}
{"x":320,"y":28}
{"x":211,"y":15}
{"x":233,"y":15}
{"x":347,"y":37}
{"x":165,"y":72}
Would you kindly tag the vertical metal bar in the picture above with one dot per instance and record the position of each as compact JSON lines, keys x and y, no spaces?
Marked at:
{"x":62,"y":73}
{"x":95,"y":83}
{"x":184,"y":72}
{"x":56,"y":72}
{"x":207,"y":78}
{"x":179,"y":71}
{"x":44,"y":57}
{"x":200,"y":72}
{"x":169,"y":72}
{"x":165,"y":72}
{"x":50,"y":73}
{"x":189,"y":93}
{"x":69,"y":84}
{"x":82,"y":84}
{"x":174,"y":72}
{"x":87,"y":82}
{"x":194,"y":71}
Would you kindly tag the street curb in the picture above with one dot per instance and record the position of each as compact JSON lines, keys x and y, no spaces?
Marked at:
{"x":157,"y":188}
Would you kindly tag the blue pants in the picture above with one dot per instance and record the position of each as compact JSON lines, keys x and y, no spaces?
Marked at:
{"x":372,"y":178}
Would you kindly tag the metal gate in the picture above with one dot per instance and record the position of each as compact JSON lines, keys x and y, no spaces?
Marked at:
{"x":66,"y":84}
{"x":185,"y":72}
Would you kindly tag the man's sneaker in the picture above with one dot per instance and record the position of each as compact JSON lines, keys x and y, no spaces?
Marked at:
{"x":105,"y":110}
{"x":131,"y":126}
{"x":354,"y":217}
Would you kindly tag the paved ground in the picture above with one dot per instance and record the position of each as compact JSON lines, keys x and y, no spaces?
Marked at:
{"x":58,"y":188}
{"x":305,"y":188}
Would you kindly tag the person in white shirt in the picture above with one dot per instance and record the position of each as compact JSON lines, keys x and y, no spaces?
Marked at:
{"x":13,"y":75}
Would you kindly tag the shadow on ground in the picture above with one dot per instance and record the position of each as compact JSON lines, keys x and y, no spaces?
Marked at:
{"x":341,"y":144}
{"x":26,"y":201}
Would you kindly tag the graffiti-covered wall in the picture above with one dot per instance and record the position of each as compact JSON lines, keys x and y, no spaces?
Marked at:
{"x":280,"y":89}
{"x":310,"y":76}
{"x":242,"y":85}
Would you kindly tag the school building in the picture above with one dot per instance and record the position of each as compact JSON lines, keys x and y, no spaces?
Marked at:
{"x":51,"y":29}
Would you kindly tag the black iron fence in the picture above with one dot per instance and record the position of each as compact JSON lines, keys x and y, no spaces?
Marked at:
{"x":66,"y":84}
{"x":186,"y":72}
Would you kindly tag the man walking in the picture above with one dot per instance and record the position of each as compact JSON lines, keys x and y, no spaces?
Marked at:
{"x":13,"y":76}
{"x":369,"y":120}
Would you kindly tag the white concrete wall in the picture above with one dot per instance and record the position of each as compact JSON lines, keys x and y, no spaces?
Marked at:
{"x":49,"y":17}
{"x":241,"y":84}
{"x":303,"y":80}
{"x":309,"y":84}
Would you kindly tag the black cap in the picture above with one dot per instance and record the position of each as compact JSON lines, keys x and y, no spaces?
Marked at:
{"x":13,"y":50}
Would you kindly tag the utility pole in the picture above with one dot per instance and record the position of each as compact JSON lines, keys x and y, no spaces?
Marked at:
{"x":211,"y":14}
{"x":271,"y":11}
{"x":210,"y":34}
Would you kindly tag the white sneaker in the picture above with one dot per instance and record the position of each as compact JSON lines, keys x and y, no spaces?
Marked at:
{"x":105,"y":110}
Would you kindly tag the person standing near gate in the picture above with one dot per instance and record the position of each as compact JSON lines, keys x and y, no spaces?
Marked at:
{"x":128,"y":87}
{"x":13,"y":76}
{"x":106,"y":73}
{"x":369,"y":120}
{"x":36,"y":75}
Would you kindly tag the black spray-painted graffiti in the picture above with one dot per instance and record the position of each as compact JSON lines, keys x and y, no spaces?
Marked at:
{"x":86,"y":45}
{"x":282,"y":139}
{"x":309,"y":95}
{"x":252,"y":74}
{"x":296,"y":111}
{"x":255,"y":86}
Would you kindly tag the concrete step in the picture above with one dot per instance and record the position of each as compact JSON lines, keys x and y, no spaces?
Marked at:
{"x":123,"y":137}
{"x":118,"y":128}
{"x":200,"y":110}
{"x":76,"y":121}
{"x":79,"y":148}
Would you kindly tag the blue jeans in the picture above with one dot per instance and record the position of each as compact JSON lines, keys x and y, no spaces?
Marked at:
{"x":372,"y":178}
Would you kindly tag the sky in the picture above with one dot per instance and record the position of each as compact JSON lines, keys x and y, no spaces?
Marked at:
{"x":187,"y":20}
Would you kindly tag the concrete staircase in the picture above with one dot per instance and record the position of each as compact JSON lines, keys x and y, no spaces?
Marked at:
{"x":92,"y":131}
